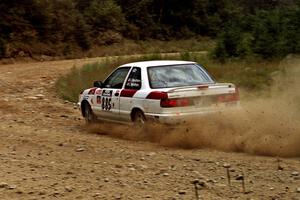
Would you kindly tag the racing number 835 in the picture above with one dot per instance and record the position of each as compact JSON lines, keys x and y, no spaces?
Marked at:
{"x":106,"y":103}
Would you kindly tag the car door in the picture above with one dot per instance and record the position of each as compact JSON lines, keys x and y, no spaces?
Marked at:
{"x":132,"y":85}
{"x":108,"y":100}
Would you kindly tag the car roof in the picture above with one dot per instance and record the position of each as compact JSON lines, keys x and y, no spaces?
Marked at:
{"x":157,"y":63}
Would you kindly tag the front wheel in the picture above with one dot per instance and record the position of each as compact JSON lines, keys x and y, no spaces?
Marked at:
{"x":88,"y":114}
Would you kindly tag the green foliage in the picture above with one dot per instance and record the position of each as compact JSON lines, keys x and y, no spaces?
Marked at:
{"x":272,"y":33}
{"x":72,"y":84}
{"x":244,"y":28}
{"x":105,"y":14}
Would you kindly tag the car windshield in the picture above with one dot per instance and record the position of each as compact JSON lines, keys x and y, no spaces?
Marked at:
{"x":177,"y":75}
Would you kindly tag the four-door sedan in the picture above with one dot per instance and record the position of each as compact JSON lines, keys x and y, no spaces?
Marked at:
{"x":168,"y":92}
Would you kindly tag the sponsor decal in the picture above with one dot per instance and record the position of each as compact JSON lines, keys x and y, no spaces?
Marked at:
{"x":106,"y":103}
{"x":98,"y":99}
{"x":107,"y":93}
{"x":132,"y":82}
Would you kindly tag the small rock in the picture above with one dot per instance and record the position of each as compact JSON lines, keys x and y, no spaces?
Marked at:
{"x":3,"y":185}
{"x":118,"y":166}
{"x":31,"y":192}
{"x":165,"y":174}
{"x":132,"y":169}
{"x":298,"y":190}
{"x":11,"y":187}
{"x":181,"y":192}
{"x":143,"y":167}
{"x":151,"y":154}
{"x":60,"y":144}
{"x":19,"y":191}
{"x":106,"y":180}
{"x":42,"y":193}
{"x":80,"y":149}
{"x":68,"y":188}
{"x":32,"y":98}
{"x":239,"y":177}
{"x":40,"y":96}
{"x":131,"y":165}
{"x":295,"y":173}
{"x":226,"y":165}
{"x":97,"y":194}
{"x":118,"y":196}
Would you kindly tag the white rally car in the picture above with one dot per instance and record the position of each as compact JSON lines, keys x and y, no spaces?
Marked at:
{"x":161,"y":91}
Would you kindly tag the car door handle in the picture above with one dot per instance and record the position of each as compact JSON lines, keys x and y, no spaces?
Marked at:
{"x":117,"y":94}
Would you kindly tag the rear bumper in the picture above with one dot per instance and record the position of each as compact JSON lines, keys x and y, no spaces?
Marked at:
{"x":180,"y":118}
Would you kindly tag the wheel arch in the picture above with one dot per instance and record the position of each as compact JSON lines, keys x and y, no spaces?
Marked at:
{"x":134,"y":110}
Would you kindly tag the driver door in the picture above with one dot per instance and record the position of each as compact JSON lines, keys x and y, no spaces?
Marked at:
{"x":108,"y":100}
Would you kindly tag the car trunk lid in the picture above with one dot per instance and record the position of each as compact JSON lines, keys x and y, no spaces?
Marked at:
{"x":201,"y":96}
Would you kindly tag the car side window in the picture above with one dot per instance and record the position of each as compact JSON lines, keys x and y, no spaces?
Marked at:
{"x":134,"y":80}
{"x":117,"y":78}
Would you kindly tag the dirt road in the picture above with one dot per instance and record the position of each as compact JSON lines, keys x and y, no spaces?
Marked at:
{"x":46,"y":153}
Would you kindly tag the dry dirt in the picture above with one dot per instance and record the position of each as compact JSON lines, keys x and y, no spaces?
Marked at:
{"x":46,"y":151}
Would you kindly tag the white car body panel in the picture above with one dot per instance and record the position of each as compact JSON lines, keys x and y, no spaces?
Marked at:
{"x":202,"y":98}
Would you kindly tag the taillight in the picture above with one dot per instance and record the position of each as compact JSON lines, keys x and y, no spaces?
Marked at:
{"x":230,"y":97}
{"x":167,"y":103}
{"x":157,"y":95}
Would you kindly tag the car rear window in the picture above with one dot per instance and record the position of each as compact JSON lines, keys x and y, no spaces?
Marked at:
{"x":177,"y":76}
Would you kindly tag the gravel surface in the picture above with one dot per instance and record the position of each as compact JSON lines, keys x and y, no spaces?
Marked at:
{"x":46,"y":152}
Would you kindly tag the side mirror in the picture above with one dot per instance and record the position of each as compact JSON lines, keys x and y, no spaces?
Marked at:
{"x":98,"y":84}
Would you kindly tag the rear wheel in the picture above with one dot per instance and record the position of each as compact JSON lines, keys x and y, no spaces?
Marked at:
{"x":139,"y":118}
{"x":88,"y":114}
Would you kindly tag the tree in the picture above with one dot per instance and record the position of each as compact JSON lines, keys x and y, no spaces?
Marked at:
{"x":105,"y":14}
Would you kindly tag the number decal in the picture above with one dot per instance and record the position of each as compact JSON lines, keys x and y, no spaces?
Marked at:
{"x":106,"y":103}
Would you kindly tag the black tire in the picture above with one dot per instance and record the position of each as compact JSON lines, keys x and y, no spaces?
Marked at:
{"x":88,"y":114}
{"x":139,"y":118}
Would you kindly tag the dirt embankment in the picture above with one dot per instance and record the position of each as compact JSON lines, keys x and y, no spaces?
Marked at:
{"x":47,"y":153}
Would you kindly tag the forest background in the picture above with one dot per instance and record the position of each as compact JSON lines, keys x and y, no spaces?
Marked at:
{"x":84,"y":28}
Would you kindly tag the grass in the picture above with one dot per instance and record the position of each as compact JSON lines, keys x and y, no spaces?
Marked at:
{"x":127,"y":47}
{"x":251,"y":75}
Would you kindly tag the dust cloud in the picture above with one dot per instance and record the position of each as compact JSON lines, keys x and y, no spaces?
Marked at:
{"x":266,"y":125}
